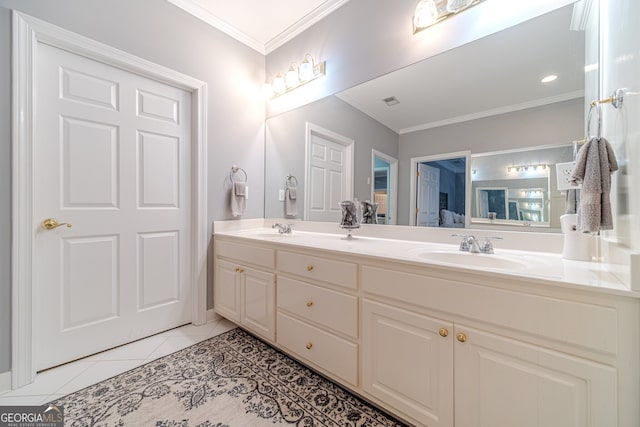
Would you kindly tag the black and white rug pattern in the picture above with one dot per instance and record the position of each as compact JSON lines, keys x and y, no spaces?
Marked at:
{"x":231,"y":380}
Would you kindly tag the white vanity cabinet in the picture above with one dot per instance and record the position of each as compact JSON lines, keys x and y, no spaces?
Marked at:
{"x":318,"y":312}
{"x":437,"y":370}
{"x":244,"y":288}
{"x":437,"y":346}
{"x":407,"y":362}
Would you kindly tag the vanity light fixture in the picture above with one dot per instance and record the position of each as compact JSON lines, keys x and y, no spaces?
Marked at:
{"x":429,"y":12}
{"x":295,"y":77}
{"x":521,"y":168}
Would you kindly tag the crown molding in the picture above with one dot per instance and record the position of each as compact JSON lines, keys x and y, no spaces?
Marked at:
{"x":206,"y":16}
{"x":497,"y":111}
{"x":269,"y":46}
{"x":307,"y":21}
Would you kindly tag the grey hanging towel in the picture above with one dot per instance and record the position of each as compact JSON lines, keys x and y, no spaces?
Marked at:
{"x":571,"y":201}
{"x":290,"y":201}
{"x":594,"y":165}
{"x":238,"y":198}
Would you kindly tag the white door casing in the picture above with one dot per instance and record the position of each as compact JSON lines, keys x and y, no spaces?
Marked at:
{"x":392,"y":190}
{"x":328,"y":173}
{"x":29,"y":34}
{"x":428,"y":196}
{"x":111,"y":156}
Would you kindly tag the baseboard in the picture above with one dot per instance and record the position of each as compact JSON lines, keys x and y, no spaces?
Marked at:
{"x":5,"y":381}
{"x":212,"y":315}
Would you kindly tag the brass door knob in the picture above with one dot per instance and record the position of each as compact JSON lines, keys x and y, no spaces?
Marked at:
{"x":443,"y":332}
{"x":309,"y":267}
{"x":309,"y":303}
{"x":461,"y":337}
{"x":309,"y":346}
{"x":51,"y":223}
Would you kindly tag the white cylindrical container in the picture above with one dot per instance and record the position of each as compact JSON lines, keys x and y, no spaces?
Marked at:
{"x":577,"y":245}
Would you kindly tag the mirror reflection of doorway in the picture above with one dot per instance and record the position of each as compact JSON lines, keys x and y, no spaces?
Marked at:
{"x":440,"y":198}
{"x":384,"y":186}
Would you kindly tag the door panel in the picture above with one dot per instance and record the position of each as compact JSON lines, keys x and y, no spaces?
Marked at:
{"x":112,"y":157}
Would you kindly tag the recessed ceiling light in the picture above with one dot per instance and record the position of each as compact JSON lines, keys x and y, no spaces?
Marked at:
{"x":549,"y":78}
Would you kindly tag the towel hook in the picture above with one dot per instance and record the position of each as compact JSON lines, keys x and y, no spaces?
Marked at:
{"x":291,"y":181}
{"x":236,"y":170}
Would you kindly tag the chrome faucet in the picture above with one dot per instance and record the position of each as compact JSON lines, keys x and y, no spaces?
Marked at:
{"x":282,"y":228}
{"x":471,"y":244}
{"x":474,"y":246}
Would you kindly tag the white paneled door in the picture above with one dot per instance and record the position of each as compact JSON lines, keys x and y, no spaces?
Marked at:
{"x":111,"y":159}
{"x":428,"y":196}
{"x":329,"y":177}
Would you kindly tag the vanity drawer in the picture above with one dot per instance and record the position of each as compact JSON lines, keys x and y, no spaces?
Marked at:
{"x":329,"y":308}
{"x":258,"y":256}
{"x":329,"y":352}
{"x":327,"y":270}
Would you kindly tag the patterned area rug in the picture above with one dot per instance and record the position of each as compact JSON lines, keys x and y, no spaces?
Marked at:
{"x":231,"y":380}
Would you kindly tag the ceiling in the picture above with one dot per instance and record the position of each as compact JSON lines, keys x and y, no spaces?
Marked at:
{"x":497,"y":74}
{"x":263,"y":25}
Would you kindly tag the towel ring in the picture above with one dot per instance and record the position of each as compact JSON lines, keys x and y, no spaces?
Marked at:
{"x":594,"y":106}
{"x":291,"y":181}
{"x":236,"y":170}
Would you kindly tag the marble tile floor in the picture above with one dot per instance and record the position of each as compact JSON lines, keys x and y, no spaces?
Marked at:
{"x":62,"y":380}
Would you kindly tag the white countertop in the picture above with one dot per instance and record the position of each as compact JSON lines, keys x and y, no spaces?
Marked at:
{"x":547,"y":268}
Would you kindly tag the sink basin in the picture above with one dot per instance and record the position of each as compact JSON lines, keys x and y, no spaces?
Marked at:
{"x":475,"y":260}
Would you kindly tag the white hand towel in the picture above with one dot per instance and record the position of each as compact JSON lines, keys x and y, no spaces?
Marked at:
{"x":594,"y":165}
{"x":238,"y":198}
{"x":290,"y":201}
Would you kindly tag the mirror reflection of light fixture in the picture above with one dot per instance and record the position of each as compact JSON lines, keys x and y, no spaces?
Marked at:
{"x":429,"y":12}
{"x":291,"y":78}
{"x":278,"y":84}
{"x":297,"y":76}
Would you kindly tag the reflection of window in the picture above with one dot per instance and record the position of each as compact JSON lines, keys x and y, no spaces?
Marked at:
{"x":492,"y":200}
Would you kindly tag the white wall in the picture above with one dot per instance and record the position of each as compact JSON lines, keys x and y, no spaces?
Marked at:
{"x":620,"y":68}
{"x":161,"y":33}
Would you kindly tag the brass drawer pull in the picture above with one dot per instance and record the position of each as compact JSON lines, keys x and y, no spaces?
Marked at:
{"x":443,"y":332}
{"x":309,"y":267}
{"x":309,"y":303}
{"x":461,"y":337}
{"x":309,"y":346}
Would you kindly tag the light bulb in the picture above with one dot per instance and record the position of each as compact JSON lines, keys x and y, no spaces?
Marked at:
{"x":455,"y":6}
{"x":278,"y":84}
{"x":426,"y":14}
{"x":305,"y":72}
{"x":291,"y":78}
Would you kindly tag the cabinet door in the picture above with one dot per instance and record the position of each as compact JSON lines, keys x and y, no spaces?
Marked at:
{"x":226,"y":290}
{"x":258,"y":302}
{"x":501,"y":382}
{"x":407,"y":363}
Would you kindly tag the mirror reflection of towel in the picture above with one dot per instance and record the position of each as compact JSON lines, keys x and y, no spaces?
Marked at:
{"x":290,"y":201}
{"x":238,"y":198}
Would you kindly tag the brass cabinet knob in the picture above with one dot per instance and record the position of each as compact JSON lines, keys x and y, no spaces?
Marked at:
{"x":461,"y":337}
{"x":309,"y":346}
{"x":309,"y":267}
{"x":51,"y":223}
{"x":239,"y":270}
{"x":443,"y":332}
{"x":309,"y":303}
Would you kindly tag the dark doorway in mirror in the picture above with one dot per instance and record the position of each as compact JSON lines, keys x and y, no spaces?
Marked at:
{"x":441,"y":190}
